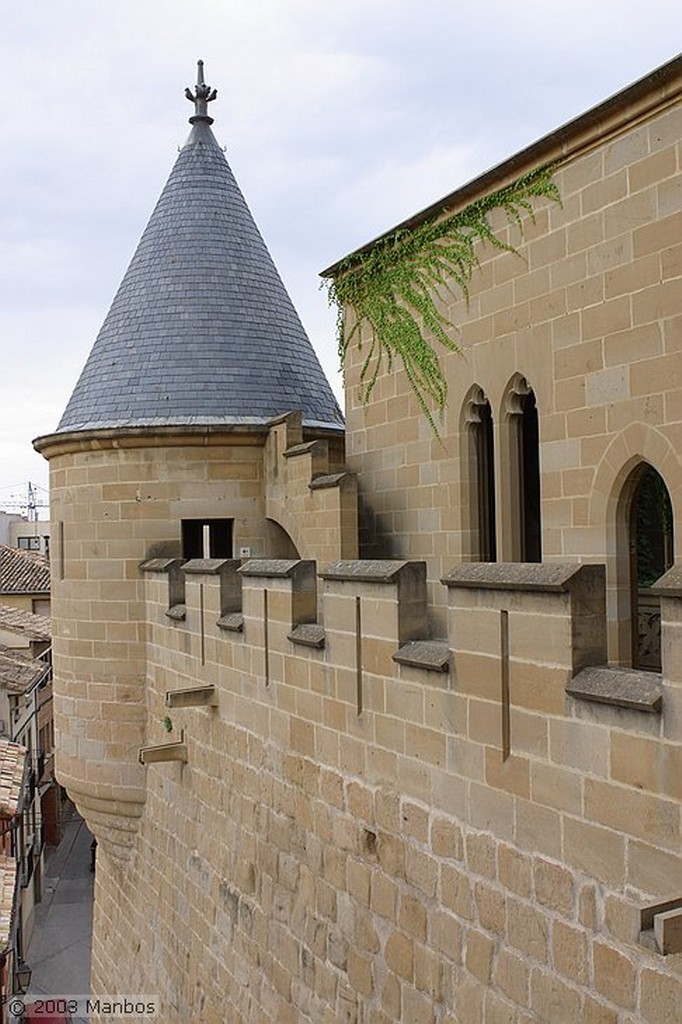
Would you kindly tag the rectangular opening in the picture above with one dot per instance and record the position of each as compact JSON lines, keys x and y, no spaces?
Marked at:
{"x":505,"y":702}
{"x":266,"y":639}
{"x":60,"y":553}
{"x":358,"y":654}
{"x":207,"y":538}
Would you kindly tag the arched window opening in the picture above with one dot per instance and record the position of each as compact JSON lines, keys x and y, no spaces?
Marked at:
{"x":480,"y":472}
{"x":529,"y":466}
{"x":524,"y":526}
{"x":651,"y":554}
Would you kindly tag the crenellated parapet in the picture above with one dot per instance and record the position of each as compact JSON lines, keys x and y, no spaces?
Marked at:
{"x":526,"y":637}
{"x":502,"y":778}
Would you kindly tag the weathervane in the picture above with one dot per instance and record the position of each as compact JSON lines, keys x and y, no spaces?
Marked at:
{"x":201,"y":97}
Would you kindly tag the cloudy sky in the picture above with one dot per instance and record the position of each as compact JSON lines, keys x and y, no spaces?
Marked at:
{"x":339,"y":120}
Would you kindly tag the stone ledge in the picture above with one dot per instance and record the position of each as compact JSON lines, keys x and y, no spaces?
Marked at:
{"x":309,"y":634}
{"x":301,"y":449}
{"x":159,"y":564}
{"x":275,"y":567}
{"x":670,"y":583}
{"x":620,"y":687}
{"x":327,"y":480}
{"x":233,"y":623}
{"x":366,"y":571}
{"x":192,"y":697}
{"x":209,"y":566}
{"x":661,"y":927}
{"x":432,"y":655}
{"x":177,"y":612}
{"x":542,"y":576}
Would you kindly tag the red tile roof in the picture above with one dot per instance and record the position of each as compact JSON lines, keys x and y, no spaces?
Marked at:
{"x":23,"y":572}
{"x":8,"y":884}
{"x":25,"y":624}
{"x":12,"y":773}
{"x":18,"y":670}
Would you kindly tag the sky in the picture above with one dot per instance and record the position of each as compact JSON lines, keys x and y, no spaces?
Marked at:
{"x":339,"y":120}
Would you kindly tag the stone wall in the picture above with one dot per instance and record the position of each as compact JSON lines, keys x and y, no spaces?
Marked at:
{"x":589,"y":317}
{"x":115,"y":501}
{"x":352,"y":838}
{"x":417,"y":795}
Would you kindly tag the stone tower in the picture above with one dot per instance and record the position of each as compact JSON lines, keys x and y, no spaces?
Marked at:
{"x":161,"y":452}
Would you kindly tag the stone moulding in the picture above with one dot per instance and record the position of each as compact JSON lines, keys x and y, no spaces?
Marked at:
{"x":431,"y":655}
{"x":233,"y":623}
{"x":192,"y":697}
{"x":670,"y":583}
{"x":277,"y":568}
{"x":661,"y":926}
{"x":370,"y":571}
{"x":177,"y":612}
{"x":163,"y":752}
{"x":620,"y":687}
{"x":328,"y":480}
{"x":308,"y":634}
{"x":536,"y":576}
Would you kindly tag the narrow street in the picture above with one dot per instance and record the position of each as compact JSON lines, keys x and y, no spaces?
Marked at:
{"x":59,"y":951}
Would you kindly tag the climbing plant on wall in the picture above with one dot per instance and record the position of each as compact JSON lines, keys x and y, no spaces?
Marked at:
{"x":395,"y":287}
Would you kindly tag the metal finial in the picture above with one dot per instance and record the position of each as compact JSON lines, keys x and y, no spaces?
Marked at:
{"x":201,"y":97}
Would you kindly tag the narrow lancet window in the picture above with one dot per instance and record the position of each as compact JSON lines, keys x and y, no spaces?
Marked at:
{"x":522,"y":473}
{"x":479,"y":474}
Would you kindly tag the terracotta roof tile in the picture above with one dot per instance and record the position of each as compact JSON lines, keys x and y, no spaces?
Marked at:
{"x":12,"y":772}
{"x":23,"y":572}
{"x":18,"y":670}
{"x":8,"y":885}
{"x":25,"y":624}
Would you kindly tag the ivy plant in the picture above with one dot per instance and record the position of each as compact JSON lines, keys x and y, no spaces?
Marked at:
{"x":395,"y":287}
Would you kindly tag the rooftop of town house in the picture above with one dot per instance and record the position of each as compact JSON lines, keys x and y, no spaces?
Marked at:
{"x":201,"y":331}
{"x":25,"y":624}
{"x":8,"y":883}
{"x":23,"y":572}
{"x":18,"y":670}
{"x":12,"y":773}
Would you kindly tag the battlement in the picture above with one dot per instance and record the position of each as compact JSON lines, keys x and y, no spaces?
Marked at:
{"x":550,"y":616}
{"x":506,"y":781}
{"x":513,"y":722}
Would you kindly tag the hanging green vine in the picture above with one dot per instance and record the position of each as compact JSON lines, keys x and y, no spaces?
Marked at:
{"x":394,"y":287}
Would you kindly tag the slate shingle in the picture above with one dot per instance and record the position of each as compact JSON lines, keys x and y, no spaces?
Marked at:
{"x":201,"y":329}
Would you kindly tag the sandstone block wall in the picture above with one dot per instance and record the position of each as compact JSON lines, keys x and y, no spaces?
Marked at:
{"x":349,"y":840}
{"x":116,"y":501}
{"x":589,"y":317}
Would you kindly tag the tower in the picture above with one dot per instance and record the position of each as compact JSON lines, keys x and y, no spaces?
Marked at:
{"x":160,"y":451}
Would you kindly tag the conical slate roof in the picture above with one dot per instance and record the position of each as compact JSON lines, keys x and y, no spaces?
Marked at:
{"x":201,"y":330}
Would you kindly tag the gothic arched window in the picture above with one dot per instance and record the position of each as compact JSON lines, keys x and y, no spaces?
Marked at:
{"x":479,"y":457}
{"x":524,"y":530}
